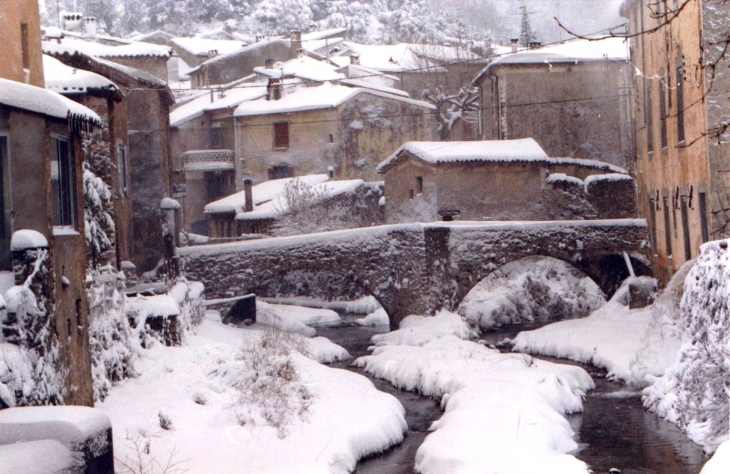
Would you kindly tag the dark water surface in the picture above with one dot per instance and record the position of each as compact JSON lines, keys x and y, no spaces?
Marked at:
{"x":614,"y":430}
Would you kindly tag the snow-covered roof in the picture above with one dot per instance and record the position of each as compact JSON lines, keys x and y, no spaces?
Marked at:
{"x":494,"y":151}
{"x":302,"y":67}
{"x":319,"y":44}
{"x":374,"y":86}
{"x":138,"y":49}
{"x":42,"y":101}
{"x":260,"y":44}
{"x":316,"y":35}
{"x":405,"y":57}
{"x":278,"y":206}
{"x":581,"y":50}
{"x":206,"y":102}
{"x":201,"y":46}
{"x":151,"y":35}
{"x":262,"y":193}
{"x":67,"y":80}
{"x":66,"y":424}
{"x":300,"y":99}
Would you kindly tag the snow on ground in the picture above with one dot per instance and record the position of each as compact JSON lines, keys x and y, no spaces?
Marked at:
{"x":225,"y":411}
{"x":377,"y":318}
{"x":720,"y":462}
{"x":503,"y":413}
{"x":529,"y":289}
{"x":364,"y":305}
{"x":295,"y":319}
{"x":613,"y":337}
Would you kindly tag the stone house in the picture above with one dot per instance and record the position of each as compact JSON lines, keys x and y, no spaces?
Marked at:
{"x":498,"y":181}
{"x":679,"y":109}
{"x":146,"y":57}
{"x":572,"y":98}
{"x":153,"y":175}
{"x":351,"y":203}
{"x":107,"y":150}
{"x":325,"y":128}
{"x":42,"y":209}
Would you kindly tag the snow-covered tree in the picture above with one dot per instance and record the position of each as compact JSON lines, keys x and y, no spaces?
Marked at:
{"x":695,"y":392}
{"x":98,"y":199}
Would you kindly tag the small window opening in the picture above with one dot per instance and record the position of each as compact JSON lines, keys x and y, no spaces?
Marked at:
{"x":63,"y":183}
{"x":25,"y":45}
{"x":281,"y":135}
{"x":216,"y":138}
{"x":419,"y":184}
{"x":703,"y":216}
{"x":667,"y":227}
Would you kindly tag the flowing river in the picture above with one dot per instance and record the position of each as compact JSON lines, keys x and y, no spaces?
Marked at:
{"x":614,"y":430}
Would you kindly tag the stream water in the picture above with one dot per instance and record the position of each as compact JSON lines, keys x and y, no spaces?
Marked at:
{"x":614,"y":430}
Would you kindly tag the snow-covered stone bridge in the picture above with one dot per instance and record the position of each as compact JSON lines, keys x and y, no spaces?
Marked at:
{"x":421,"y":268}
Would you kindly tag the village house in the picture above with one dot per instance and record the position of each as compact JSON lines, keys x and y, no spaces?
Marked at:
{"x":42,"y":221}
{"x":106,"y":150}
{"x":325,"y":128}
{"x":256,"y":209}
{"x":680,"y":106}
{"x":152,"y":171}
{"x":197,"y":50}
{"x":500,"y":180}
{"x":573,"y":98}
{"x":146,"y":57}
{"x":223,"y":67}
{"x":202,"y":130}
{"x":418,"y":67}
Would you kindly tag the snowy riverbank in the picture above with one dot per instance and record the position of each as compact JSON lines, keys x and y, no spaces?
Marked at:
{"x":497,"y":407}
{"x":196,"y":401}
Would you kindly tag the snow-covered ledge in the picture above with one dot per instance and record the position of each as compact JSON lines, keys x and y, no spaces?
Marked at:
{"x":25,"y":239}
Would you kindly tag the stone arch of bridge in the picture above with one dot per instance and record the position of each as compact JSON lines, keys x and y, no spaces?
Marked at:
{"x":363,"y":283}
{"x":606,"y":270}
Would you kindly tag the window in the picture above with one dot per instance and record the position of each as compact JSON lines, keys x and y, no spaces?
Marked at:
{"x":685,"y":228}
{"x":278,"y":172}
{"x":63,"y":183}
{"x":216,"y":139}
{"x":652,"y":223}
{"x":214,"y":186}
{"x":419,"y":184}
{"x":680,"y":104}
{"x":667,"y":227}
{"x":5,"y":227}
{"x":25,"y":45}
{"x":663,"y":108}
{"x":649,"y":119}
{"x":703,"y":216}
{"x":410,"y":194}
{"x":281,"y":135}
{"x":122,"y":171}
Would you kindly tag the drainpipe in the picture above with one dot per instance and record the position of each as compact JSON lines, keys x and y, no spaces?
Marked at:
{"x":235,"y":149}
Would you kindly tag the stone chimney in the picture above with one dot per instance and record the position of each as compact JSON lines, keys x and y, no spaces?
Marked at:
{"x":515,"y":42}
{"x":248,"y":192}
{"x":296,"y":44}
{"x":72,"y":21}
{"x":269,"y":63}
{"x":273,"y":89}
{"x":90,"y":27}
{"x":355,"y":58}
{"x":212,"y":53}
{"x":534,"y":45}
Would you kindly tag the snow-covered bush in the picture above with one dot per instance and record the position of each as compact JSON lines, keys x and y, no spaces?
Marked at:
{"x":271,"y":389}
{"x":113,"y":344}
{"x":539,"y":288}
{"x":695,"y":391}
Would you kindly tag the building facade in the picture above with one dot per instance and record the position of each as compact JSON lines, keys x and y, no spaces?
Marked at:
{"x":679,"y":106}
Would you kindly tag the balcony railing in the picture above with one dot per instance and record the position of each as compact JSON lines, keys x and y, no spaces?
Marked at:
{"x":208,"y":160}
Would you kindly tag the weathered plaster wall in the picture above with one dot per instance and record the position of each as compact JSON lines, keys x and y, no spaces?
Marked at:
{"x":13,"y":13}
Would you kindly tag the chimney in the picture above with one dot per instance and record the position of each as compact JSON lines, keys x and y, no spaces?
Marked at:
{"x":269,"y":63}
{"x":515,"y":43}
{"x":72,"y":21}
{"x":90,"y":27}
{"x":296,"y":44}
{"x":331,"y":171}
{"x":212,"y":53}
{"x":355,"y":58}
{"x":273,"y":89}
{"x":534,"y":44}
{"x":248,"y":192}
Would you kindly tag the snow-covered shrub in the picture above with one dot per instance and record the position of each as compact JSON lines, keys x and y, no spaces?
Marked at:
{"x":270,"y":387}
{"x":99,"y":224}
{"x":695,"y":391}
{"x":539,"y":288}
{"x":113,"y":344}
{"x":30,"y":372}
